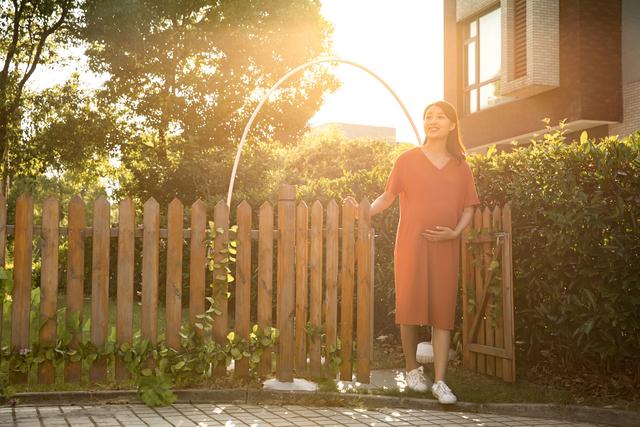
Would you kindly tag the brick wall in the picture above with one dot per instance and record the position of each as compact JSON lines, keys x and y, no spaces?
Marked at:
{"x":631,"y":107}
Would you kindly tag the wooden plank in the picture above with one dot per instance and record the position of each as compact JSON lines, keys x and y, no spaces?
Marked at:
{"x":315,"y":297}
{"x":490,"y":350}
{"x":150,"y":270}
{"x":468,"y":357}
{"x":173,"y":290}
{"x":197,"y":264}
{"x":21,"y":296}
{"x":486,"y":323}
{"x":363,"y":318}
{"x":508,"y":365}
{"x":347,"y":288}
{"x":75,"y":283}
{"x":3,"y":249}
{"x":124,"y":285}
{"x":265,"y":279}
{"x":331,"y":275}
{"x":286,"y":281}
{"x":49,"y":284}
{"x":302,"y":286}
{"x":496,"y":226}
{"x":221,"y":287}
{"x":243,"y":282}
{"x":100,"y":285}
{"x":477,"y":269}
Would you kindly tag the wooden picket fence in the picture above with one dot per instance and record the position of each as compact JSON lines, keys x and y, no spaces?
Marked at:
{"x":309,"y":277}
{"x":487,"y":285}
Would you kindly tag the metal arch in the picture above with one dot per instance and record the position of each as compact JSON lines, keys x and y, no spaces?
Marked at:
{"x":282,"y":80}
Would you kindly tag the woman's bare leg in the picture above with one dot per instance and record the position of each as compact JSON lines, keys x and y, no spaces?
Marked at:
{"x":441,"y":340}
{"x":409,"y":336}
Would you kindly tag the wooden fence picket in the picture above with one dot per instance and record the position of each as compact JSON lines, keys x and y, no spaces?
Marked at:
{"x":221,"y":287}
{"x":363,"y":321}
{"x":243,"y":282}
{"x":22,"y":262}
{"x":75,"y":282}
{"x":150,"y":270}
{"x":480,"y":358}
{"x":49,"y":284}
{"x":125,"y":280}
{"x":302,"y":286}
{"x":197,"y":263}
{"x":315,"y":276}
{"x":331,"y":275}
{"x":173,"y":289}
{"x":498,"y":329}
{"x":100,"y":285}
{"x":489,"y":334}
{"x":265,"y":278}
{"x":3,"y":247}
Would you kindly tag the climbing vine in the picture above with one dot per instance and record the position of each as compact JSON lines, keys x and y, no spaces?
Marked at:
{"x":155,"y":369}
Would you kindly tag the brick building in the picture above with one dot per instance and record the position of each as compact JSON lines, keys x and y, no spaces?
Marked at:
{"x":510,"y":63}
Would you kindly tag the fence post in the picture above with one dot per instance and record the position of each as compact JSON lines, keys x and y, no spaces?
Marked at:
{"x":347,"y":287}
{"x":286,"y":281}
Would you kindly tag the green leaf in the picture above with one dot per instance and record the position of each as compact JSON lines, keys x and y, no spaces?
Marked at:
{"x":583,"y":136}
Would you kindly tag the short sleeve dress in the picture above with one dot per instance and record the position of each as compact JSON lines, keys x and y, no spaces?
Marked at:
{"x":426,"y":273}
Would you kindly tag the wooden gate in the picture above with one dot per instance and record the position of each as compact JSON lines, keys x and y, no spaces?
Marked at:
{"x":487,"y":294}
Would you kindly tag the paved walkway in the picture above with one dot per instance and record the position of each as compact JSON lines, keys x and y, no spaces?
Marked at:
{"x":204,"y":415}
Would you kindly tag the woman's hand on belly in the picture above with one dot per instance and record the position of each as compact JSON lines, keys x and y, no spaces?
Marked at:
{"x":439,"y":234}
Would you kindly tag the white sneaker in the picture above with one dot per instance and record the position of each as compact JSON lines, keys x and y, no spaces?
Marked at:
{"x":443,"y":393}
{"x":416,"y":380}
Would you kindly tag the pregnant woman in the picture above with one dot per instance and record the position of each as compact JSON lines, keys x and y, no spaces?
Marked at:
{"x":437,"y":193}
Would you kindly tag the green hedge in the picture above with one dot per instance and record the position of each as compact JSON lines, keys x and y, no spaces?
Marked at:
{"x":576,"y":245}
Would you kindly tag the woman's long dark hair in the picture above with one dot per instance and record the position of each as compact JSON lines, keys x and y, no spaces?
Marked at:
{"x":454,"y":140}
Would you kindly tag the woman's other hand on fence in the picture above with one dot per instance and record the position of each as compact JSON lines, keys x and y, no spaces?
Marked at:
{"x":439,"y":234}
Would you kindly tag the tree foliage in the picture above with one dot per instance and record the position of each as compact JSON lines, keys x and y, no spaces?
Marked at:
{"x":31,"y":33}
{"x":186,"y":76}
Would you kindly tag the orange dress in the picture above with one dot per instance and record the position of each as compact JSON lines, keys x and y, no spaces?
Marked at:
{"x":426,"y":273}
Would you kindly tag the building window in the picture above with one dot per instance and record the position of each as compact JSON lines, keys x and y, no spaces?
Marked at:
{"x":482,"y":59}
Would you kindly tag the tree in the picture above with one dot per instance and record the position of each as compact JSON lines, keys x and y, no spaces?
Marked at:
{"x":30,"y":34}
{"x":187,"y":74}
{"x":63,"y":129}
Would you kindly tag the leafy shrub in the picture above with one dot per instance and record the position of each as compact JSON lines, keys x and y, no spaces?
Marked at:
{"x":576,"y":244}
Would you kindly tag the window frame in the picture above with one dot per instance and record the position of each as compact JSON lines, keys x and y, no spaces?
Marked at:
{"x":466,"y":40}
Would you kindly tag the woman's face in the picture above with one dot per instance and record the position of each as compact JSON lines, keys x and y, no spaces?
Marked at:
{"x":436,"y":124}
